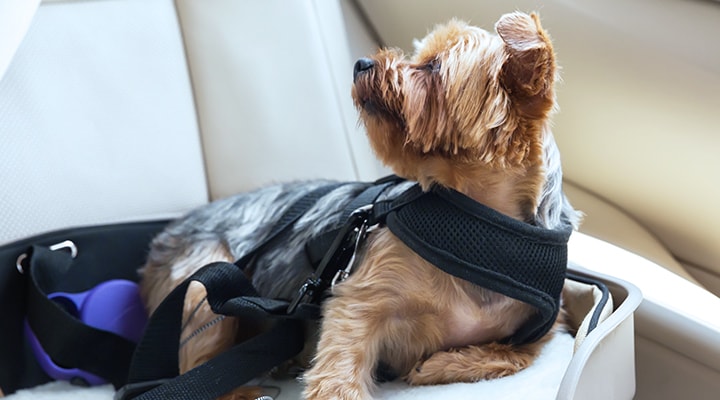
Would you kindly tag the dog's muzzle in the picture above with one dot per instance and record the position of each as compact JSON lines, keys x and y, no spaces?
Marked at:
{"x":361,"y":66}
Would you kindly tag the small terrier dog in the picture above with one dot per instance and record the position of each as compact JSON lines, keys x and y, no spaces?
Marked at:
{"x":469,"y":111}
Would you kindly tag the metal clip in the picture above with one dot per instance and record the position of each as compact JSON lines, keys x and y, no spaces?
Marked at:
{"x":66,"y":244}
{"x":342,"y":274}
{"x":317,"y":283}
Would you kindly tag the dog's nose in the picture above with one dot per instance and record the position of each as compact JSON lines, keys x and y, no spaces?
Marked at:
{"x":362,"y":65}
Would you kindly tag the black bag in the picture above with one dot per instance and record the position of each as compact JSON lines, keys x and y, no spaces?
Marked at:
{"x":33,"y":270}
{"x":104,"y":253}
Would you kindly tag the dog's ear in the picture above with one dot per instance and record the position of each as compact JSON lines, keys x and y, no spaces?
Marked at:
{"x":530,"y":67}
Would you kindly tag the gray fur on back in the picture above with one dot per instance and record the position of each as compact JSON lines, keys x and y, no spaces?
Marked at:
{"x":243,"y":221}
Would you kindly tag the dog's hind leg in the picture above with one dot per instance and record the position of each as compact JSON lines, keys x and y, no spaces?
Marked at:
{"x":171,"y":260}
{"x":204,"y":333}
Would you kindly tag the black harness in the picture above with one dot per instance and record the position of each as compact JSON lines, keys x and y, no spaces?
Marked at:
{"x":453,"y":232}
{"x":463,"y":238}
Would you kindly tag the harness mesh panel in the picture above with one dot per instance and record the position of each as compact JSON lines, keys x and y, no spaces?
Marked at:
{"x":474,"y":242}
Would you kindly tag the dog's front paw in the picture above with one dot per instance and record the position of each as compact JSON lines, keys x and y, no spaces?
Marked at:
{"x":334,"y":389}
{"x":333,"y":384}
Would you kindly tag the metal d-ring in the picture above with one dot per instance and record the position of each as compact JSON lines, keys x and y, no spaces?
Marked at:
{"x":19,"y":261}
{"x":66,"y":244}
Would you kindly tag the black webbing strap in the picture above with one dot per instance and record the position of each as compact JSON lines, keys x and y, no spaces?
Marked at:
{"x":334,"y":250}
{"x":317,"y":248}
{"x":155,"y":363}
{"x":293,"y":213}
{"x":226,"y":371}
{"x":63,"y":335}
{"x":370,"y":194}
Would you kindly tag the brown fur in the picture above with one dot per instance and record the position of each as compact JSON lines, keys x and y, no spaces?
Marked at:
{"x":469,"y":111}
{"x":400,"y":309}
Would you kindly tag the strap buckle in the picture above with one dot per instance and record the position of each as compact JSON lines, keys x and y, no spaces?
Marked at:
{"x":334,"y":268}
{"x":305,"y":293}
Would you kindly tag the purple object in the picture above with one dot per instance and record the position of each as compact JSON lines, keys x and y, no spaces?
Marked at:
{"x":114,"y":306}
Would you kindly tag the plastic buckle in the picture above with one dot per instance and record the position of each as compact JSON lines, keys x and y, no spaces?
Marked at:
{"x":133,"y":390}
{"x":307,"y":290}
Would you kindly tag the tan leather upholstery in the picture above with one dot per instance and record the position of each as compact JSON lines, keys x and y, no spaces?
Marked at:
{"x":97,"y":122}
{"x":605,"y":221}
{"x":272,"y":87}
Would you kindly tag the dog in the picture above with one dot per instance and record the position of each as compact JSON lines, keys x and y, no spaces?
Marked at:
{"x":469,"y":111}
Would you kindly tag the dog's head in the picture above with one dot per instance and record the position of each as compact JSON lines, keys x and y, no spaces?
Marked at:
{"x":469,"y":110}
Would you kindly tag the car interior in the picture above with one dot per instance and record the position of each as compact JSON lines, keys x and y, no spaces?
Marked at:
{"x":131,"y":110}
